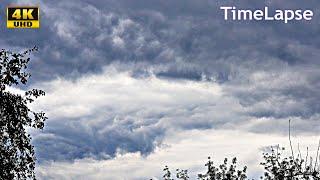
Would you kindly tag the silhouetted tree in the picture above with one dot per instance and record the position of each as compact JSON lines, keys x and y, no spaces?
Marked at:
{"x":276,"y":168}
{"x":180,"y":174}
{"x":167,"y":173}
{"x":224,"y":171}
{"x":289,"y":168}
{"x":17,"y":160}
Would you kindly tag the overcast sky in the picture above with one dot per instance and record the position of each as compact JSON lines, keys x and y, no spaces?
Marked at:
{"x":134,"y":85}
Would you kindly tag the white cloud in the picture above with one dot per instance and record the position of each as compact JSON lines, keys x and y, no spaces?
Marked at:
{"x":97,"y":114}
{"x":186,"y":150}
{"x":115,"y":110}
{"x":124,"y":94}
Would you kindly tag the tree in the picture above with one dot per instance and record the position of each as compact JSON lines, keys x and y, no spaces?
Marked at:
{"x":275,"y":165}
{"x":289,"y":168}
{"x":180,"y":174}
{"x":17,"y":159}
{"x":224,"y":171}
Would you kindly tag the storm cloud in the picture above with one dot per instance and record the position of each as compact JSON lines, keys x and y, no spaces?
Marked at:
{"x":123,"y":76}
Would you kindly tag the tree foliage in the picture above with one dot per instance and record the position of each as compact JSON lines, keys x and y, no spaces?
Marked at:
{"x":17,"y":159}
{"x":224,"y":171}
{"x":276,"y":167}
{"x":289,"y":168}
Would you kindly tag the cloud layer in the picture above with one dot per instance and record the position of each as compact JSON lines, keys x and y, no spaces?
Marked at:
{"x":123,"y":78}
{"x":178,"y":39}
{"x":98,"y":115}
{"x":186,"y":150}
{"x":114,"y":111}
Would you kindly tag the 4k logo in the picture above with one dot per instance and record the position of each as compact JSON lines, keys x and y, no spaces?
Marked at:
{"x":23,"y":17}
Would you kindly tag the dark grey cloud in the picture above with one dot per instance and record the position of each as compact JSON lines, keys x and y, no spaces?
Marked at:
{"x":78,"y":37}
{"x":75,"y":139}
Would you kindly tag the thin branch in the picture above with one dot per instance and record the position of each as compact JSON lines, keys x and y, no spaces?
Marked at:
{"x":299,"y":155}
{"x":315,"y":165}
{"x":307,"y":158}
{"x":290,"y":138}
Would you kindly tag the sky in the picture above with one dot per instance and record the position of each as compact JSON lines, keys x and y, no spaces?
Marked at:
{"x":134,"y":85}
